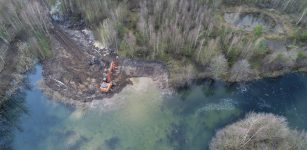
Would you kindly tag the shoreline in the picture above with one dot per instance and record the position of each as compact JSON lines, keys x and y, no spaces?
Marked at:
{"x":55,"y":95}
{"x":105,"y":103}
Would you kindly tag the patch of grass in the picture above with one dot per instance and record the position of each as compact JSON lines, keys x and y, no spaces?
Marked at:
{"x":258,"y":30}
{"x":302,"y":36}
{"x":125,"y":51}
{"x":51,"y":2}
{"x":233,"y":55}
{"x":140,"y":39}
{"x":280,"y":57}
{"x":3,"y":33}
{"x":300,"y":55}
{"x":299,"y":35}
{"x":44,"y":46}
{"x":255,"y":62}
{"x":122,"y":30}
{"x":261,"y":47}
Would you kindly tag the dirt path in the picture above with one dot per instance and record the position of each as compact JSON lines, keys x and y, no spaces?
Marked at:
{"x":67,"y":43}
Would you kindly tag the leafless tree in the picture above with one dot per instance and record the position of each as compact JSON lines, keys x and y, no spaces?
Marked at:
{"x":219,"y":66}
{"x":172,"y":25}
{"x":260,"y":132}
{"x":240,"y":71}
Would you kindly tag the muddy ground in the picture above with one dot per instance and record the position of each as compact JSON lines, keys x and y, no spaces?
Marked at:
{"x":77,"y":67}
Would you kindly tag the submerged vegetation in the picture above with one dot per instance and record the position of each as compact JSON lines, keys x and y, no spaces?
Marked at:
{"x":259,"y":132}
{"x":9,"y":118}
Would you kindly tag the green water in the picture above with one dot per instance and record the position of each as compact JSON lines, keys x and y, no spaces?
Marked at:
{"x":141,"y":118}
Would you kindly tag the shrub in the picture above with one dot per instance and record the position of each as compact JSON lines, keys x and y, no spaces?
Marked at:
{"x":261,"y":47}
{"x":241,"y":70}
{"x":300,"y":55}
{"x":259,"y":132}
{"x":286,"y":59}
{"x":205,"y":54}
{"x":219,"y":66}
{"x":302,"y":36}
{"x":44,"y":47}
{"x":258,"y":30}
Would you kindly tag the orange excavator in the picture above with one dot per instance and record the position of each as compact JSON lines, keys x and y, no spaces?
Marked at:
{"x":107,"y":82}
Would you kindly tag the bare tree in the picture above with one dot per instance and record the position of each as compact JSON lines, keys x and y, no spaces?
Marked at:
{"x":35,"y":16}
{"x":260,"y":132}
{"x":240,"y":71}
{"x":172,"y":25}
{"x":219,"y":66}
{"x":302,"y":16}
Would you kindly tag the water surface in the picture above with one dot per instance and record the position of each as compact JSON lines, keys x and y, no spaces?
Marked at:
{"x":141,"y":118}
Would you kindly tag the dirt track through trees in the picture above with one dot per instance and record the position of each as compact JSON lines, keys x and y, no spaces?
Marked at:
{"x":68,"y":44}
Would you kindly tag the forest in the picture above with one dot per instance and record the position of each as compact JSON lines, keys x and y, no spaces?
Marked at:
{"x":192,"y":38}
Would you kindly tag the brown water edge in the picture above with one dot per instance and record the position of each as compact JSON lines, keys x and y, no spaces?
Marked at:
{"x":110,"y":102}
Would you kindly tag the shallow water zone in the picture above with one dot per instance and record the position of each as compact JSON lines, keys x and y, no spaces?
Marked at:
{"x":141,"y":118}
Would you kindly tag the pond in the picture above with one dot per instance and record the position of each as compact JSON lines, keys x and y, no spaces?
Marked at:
{"x":141,"y":118}
{"x":249,"y":20}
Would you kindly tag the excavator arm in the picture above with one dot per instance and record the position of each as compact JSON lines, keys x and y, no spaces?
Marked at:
{"x":107,"y":85}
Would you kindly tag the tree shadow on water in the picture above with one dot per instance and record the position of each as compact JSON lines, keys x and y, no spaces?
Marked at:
{"x":275,"y":95}
{"x":10,"y":111}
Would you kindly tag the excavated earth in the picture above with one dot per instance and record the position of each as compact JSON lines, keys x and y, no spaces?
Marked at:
{"x":77,"y":68}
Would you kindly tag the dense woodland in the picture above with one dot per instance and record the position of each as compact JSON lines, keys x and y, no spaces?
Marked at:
{"x":190,"y":36}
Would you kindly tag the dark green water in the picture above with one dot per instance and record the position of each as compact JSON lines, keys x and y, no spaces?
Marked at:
{"x":140,"y":118}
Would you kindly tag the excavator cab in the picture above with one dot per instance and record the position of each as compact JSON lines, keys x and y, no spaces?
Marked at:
{"x":105,"y":87}
{"x":107,"y":84}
